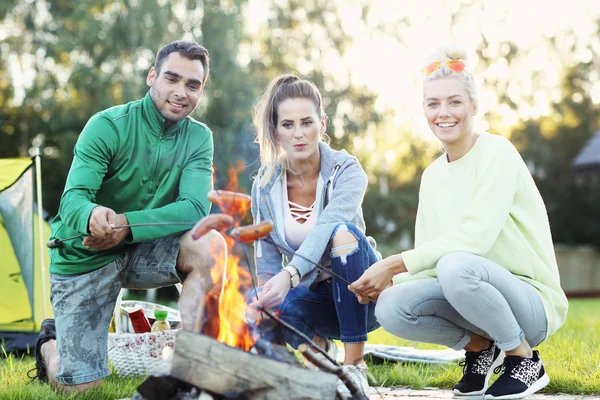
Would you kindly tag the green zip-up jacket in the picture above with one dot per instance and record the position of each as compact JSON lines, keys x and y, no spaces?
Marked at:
{"x":125,"y":160}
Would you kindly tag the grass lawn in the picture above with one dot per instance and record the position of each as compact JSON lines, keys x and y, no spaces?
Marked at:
{"x":571,"y":358}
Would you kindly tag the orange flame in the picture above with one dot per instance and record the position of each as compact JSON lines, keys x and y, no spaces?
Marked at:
{"x":225,"y":304}
{"x":233,"y":184}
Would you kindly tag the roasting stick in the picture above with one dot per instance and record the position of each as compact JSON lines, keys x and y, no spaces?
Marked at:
{"x":297,"y":332}
{"x":58,"y":242}
{"x":230,"y":202}
{"x":241,"y":234}
{"x":328,"y":270}
{"x":303,"y":348}
{"x":322,"y":268}
{"x":310,"y":356}
{"x":224,"y":199}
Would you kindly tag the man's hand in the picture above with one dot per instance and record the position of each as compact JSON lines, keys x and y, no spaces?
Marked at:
{"x":113,"y":239}
{"x":275,"y":290}
{"x":377,"y":278}
{"x":100,"y":222}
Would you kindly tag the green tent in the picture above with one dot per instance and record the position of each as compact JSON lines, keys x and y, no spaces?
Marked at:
{"x":24,"y":298}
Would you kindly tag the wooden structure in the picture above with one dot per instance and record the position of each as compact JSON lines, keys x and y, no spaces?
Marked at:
{"x":588,"y":159}
{"x":217,"y":368}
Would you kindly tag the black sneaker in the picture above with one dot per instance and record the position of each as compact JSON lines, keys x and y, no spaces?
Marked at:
{"x":520,"y":378}
{"x":478,"y":369}
{"x":47,"y":332}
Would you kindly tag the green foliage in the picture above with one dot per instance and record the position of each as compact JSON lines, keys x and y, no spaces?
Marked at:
{"x":390,"y":205}
{"x":549,"y":145}
{"x":229,"y":94}
{"x":300,"y":37}
{"x":85,"y":56}
{"x":77,"y":58}
{"x":90,"y":55}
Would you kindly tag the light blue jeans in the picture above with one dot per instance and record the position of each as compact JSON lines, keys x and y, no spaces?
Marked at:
{"x":83,"y":305}
{"x":471,"y":295}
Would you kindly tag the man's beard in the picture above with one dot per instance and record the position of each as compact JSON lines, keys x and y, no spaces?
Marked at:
{"x":162,"y":112}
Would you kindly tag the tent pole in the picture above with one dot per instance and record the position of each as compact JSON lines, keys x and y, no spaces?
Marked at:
{"x":38,"y":180}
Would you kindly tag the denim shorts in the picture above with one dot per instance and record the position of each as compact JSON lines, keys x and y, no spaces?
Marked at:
{"x":83,"y":305}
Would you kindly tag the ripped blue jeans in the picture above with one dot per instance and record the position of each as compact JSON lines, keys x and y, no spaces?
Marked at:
{"x":329,"y":309}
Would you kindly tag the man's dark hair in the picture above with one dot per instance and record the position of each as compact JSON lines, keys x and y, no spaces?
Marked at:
{"x":189,"y":50}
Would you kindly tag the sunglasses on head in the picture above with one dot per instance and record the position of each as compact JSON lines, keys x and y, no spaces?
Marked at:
{"x":453,"y":65}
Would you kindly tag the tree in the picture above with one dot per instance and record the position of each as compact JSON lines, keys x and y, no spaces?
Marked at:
{"x":549,"y":145}
{"x":89,"y":55}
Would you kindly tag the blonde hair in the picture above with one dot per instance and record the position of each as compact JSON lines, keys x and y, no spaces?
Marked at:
{"x":283,"y":87}
{"x":448,"y":53}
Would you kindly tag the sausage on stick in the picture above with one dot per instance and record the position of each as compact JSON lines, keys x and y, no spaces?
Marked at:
{"x":211,"y":221}
{"x":250,"y":233}
{"x":232,"y":203}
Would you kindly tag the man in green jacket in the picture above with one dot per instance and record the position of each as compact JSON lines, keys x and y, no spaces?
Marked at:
{"x":146,"y":161}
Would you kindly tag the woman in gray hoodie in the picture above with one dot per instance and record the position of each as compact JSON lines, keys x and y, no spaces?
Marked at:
{"x":313,"y":195}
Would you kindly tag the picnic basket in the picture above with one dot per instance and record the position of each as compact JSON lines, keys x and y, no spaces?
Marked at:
{"x":138,"y":354}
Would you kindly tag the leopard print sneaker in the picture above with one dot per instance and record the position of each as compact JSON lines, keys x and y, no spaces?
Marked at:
{"x":478,"y":369}
{"x":521,"y":377}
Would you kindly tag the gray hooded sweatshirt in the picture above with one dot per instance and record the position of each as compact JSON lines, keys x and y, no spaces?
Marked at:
{"x":340,"y":201}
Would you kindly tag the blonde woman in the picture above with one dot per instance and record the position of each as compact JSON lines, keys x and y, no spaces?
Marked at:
{"x":489,"y":282}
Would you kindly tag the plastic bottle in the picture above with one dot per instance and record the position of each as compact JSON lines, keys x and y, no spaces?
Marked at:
{"x":161,"y":323}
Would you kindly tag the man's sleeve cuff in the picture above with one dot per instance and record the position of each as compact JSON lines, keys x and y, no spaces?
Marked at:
{"x":84,"y":222}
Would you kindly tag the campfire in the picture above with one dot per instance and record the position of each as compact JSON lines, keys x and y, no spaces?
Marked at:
{"x":225,"y":304}
{"x":225,"y":357}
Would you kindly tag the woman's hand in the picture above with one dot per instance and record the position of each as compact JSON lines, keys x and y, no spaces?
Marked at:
{"x":377,"y":278}
{"x":252,"y":314}
{"x":275,"y":290}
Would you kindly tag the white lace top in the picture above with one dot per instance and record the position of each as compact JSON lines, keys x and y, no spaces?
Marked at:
{"x":299,"y":220}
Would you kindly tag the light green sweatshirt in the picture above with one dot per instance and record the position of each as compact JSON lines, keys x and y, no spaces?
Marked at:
{"x":486,"y":203}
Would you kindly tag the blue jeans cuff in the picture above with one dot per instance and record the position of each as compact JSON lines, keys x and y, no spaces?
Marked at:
{"x":80,"y":379}
{"x":354,"y":339}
